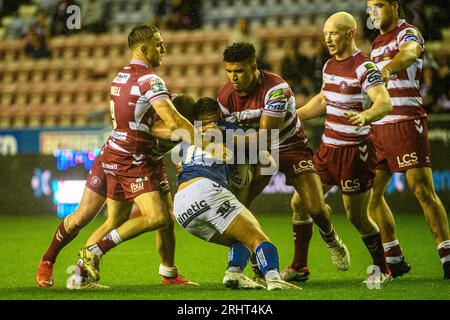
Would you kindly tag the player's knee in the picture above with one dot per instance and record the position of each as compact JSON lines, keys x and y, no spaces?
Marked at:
{"x":158,"y":221}
{"x":425,"y":194}
{"x":377,"y":195}
{"x":355,"y":220}
{"x":296,"y":204}
{"x":315,"y":209}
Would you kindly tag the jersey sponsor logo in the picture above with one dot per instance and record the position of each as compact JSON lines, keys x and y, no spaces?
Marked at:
{"x":375,"y":76}
{"x":109,"y":166}
{"x":122,"y":78}
{"x":138,"y":186}
{"x":196,"y":209}
{"x":157,"y":85}
{"x":276,"y":106}
{"x":225,"y":209}
{"x":115,"y":91}
{"x":408,"y":159}
{"x":304,"y":165}
{"x":122,"y":136}
{"x":350,"y":185}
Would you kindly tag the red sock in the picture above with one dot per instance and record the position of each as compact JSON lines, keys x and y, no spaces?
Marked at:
{"x":375,"y":246}
{"x":302,"y":236}
{"x":60,"y":240}
{"x":106,"y":244}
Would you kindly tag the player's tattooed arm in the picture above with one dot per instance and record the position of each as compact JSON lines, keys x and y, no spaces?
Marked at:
{"x":381,"y":107}
{"x":315,"y":107}
{"x":409,"y":52}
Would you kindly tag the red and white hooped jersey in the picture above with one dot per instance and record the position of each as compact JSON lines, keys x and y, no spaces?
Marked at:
{"x":133,"y":91}
{"x":273,"y":97}
{"x":345,"y":86}
{"x":403,"y":87}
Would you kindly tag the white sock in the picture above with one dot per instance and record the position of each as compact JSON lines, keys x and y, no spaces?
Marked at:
{"x":96,"y":250}
{"x":115,"y":237}
{"x":300,"y":222}
{"x":169,"y":272}
{"x":235,"y":269}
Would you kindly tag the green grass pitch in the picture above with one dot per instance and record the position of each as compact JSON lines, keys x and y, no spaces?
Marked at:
{"x":131,"y":270}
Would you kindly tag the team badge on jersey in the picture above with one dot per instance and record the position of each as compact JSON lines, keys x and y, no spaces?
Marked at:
{"x":157,"y":85}
{"x":343,"y":86}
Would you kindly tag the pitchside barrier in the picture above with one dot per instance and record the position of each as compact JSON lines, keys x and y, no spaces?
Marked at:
{"x":44,"y":171}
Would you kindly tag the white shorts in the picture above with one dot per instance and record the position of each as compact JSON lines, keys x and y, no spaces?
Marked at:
{"x":205,"y":208}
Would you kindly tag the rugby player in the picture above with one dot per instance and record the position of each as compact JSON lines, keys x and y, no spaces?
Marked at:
{"x":401,"y":138}
{"x":353,"y":95}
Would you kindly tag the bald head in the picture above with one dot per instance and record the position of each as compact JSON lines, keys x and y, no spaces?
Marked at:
{"x":342,"y":21}
{"x":339,"y":31}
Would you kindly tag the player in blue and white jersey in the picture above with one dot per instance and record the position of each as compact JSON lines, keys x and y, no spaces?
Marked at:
{"x":205,"y":207}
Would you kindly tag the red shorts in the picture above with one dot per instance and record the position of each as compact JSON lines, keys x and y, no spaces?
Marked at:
{"x":96,"y":179}
{"x":127,"y":178}
{"x":294,"y":160}
{"x":402,"y":146}
{"x":352,"y":168}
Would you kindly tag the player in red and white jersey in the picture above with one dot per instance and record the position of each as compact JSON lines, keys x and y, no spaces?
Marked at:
{"x":138,"y":97}
{"x":92,"y":201}
{"x":401,"y":138}
{"x":353,"y":95}
{"x":262,"y":100}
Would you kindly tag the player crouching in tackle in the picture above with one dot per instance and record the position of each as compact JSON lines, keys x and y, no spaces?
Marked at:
{"x":346,"y":157}
{"x":206,"y":208}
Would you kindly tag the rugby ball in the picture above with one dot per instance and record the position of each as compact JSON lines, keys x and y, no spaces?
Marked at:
{"x":240,"y":176}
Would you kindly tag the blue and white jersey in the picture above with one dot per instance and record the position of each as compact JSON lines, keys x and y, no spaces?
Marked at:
{"x":197,"y":163}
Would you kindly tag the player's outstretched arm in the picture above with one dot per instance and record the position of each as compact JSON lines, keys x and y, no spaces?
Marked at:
{"x":173,"y":120}
{"x":409,"y":52}
{"x":315,"y":107}
{"x":381,"y":106}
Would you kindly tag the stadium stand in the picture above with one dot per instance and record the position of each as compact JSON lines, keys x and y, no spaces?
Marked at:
{"x":71,"y":88}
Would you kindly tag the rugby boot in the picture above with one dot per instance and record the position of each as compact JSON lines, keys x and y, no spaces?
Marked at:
{"x":278,"y":284}
{"x":82,"y":283}
{"x":376,"y":279}
{"x":178,"y":280}
{"x":400,"y":268}
{"x":291,"y":274}
{"x":91,"y":263}
{"x":238,"y":280}
{"x":339,"y":254}
{"x":44,"y":275}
